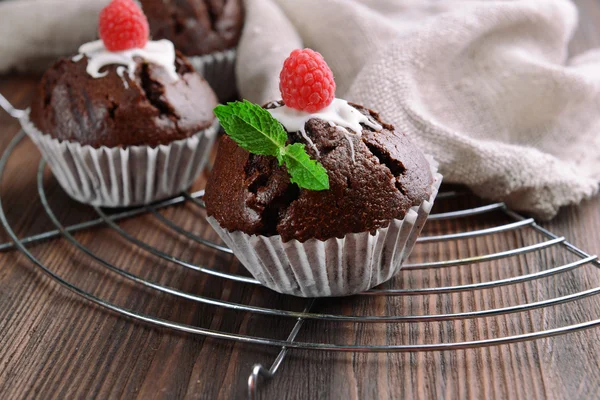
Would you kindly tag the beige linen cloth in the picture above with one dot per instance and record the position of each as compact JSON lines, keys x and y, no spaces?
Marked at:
{"x":486,"y":87}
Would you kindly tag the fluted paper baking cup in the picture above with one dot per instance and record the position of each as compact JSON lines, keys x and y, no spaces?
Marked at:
{"x":334,"y":267}
{"x":219,"y":71}
{"x":122,"y":177}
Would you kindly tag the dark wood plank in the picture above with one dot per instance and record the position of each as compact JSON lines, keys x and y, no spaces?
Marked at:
{"x":53,"y":344}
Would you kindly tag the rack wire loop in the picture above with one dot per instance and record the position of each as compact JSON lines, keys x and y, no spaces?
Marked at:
{"x":310,"y":312}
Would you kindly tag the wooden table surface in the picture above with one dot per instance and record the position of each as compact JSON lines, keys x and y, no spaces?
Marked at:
{"x":54,"y":344}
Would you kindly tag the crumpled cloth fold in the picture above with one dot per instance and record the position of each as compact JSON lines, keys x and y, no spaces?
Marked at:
{"x":486,"y":87}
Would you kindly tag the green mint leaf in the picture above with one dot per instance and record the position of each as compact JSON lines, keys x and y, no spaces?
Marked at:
{"x":252,"y":127}
{"x":305,"y":172}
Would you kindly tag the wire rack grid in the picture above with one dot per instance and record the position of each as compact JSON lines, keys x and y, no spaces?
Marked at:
{"x":516,"y":223}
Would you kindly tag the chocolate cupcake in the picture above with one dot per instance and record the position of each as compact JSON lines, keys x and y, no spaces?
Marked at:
{"x":148,"y":108}
{"x":207,"y":32}
{"x":126,"y":126}
{"x":338,"y":218}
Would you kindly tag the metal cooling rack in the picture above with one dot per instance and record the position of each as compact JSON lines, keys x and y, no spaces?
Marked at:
{"x":517,"y":223}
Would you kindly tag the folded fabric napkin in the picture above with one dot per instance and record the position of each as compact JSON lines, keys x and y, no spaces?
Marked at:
{"x":486,"y":87}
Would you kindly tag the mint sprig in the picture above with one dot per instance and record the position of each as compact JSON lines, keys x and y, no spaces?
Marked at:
{"x":254,"y":129}
{"x":304,"y":172}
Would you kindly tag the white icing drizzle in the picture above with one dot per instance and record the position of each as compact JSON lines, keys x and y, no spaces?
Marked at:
{"x":339,"y":113}
{"x":160,"y":52}
{"x":121,"y":72}
{"x":349,"y":139}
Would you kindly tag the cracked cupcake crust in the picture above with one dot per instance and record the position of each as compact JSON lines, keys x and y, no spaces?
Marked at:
{"x":253,"y":194}
{"x":196,"y":27}
{"x":71,"y":105}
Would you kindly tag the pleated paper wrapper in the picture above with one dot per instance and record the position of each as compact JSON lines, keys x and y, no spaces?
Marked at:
{"x":218,"y":69}
{"x":334,"y":267}
{"x":123,"y":177}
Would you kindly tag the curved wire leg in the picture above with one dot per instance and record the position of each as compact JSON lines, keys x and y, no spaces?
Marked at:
{"x":258,"y":370}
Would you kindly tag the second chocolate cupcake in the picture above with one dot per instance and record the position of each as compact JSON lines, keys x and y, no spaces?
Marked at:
{"x":127,"y":121}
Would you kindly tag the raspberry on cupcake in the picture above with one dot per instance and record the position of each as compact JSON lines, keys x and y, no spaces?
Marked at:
{"x":123,"y":26}
{"x":317,"y":196}
{"x":306,"y":83}
{"x":127,"y":121}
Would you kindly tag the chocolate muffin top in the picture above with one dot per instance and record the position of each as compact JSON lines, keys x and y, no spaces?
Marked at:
{"x":196,"y":27}
{"x":117,"y":111}
{"x":253,"y":194}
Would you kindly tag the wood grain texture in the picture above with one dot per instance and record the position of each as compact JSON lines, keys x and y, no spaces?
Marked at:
{"x":53,"y":344}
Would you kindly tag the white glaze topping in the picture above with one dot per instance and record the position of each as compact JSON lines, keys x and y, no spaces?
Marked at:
{"x":121,"y":72}
{"x":160,"y":52}
{"x":339,"y":113}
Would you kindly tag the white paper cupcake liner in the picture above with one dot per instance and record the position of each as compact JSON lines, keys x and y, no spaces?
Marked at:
{"x":123,"y":177}
{"x":219,"y":71}
{"x":334,"y":267}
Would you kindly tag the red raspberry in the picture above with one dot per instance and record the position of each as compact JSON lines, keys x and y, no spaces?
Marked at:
{"x":123,"y":26}
{"x":306,"y":82}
